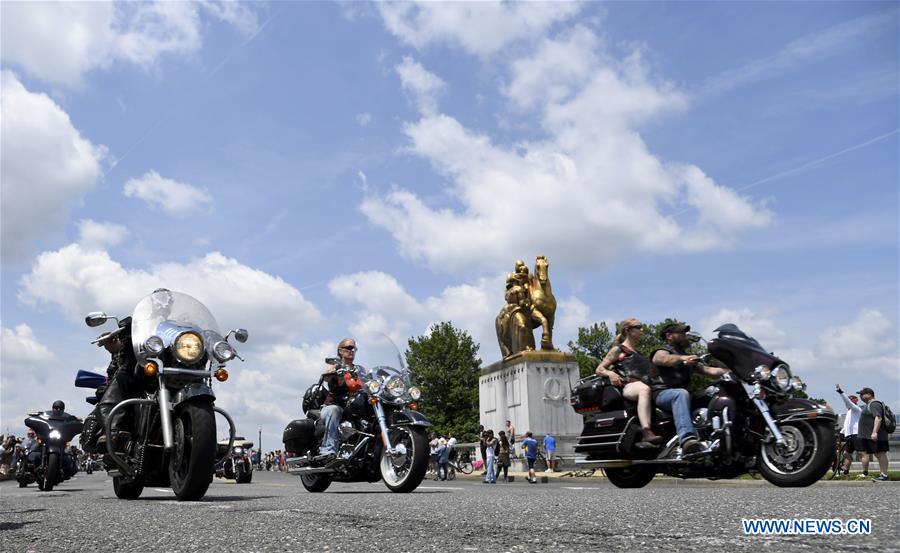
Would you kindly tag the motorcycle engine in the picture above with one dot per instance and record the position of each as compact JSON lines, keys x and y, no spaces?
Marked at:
{"x":700,"y":418}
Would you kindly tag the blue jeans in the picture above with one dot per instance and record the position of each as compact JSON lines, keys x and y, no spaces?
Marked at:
{"x":491,"y":476}
{"x":331,"y":417}
{"x":443,"y":465}
{"x":678,"y":402}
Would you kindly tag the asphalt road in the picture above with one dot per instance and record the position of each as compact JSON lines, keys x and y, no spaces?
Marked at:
{"x":275,"y":514}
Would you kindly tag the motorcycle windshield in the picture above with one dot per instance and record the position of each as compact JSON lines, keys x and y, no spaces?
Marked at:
{"x":385,"y":372}
{"x":173,"y":308}
{"x":740,"y":352}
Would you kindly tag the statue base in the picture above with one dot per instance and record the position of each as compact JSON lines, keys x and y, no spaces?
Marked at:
{"x":531,"y":389}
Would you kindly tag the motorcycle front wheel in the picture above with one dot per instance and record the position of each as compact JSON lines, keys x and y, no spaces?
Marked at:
{"x":194,"y":455}
{"x":803,"y":459}
{"x":404,"y":471}
{"x":52,"y":476}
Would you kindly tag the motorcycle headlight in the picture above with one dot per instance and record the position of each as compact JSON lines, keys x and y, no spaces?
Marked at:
{"x":54,"y":435}
{"x":798,"y":384}
{"x":154,"y":345}
{"x":761,"y":372}
{"x":189,"y":347}
{"x":395,"y":386}
{"x":415,"y":393}
{"x":374,"y":386}
{"x":781,"y":376}
{"x":223,"y":351}
{"x":238,"y":450}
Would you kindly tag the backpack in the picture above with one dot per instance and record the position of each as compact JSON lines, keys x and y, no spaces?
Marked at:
{"x":888,"y":421}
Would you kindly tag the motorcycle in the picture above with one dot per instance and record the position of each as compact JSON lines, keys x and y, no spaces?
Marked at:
{"x":383,"y":436}
{"x":179,"y":352}
{"x":48,"y":462}
{"x":748,"y":421}
{"x":237,"y":466}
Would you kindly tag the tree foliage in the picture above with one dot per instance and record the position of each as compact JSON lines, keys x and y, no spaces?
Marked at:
{"x":444,"y":364}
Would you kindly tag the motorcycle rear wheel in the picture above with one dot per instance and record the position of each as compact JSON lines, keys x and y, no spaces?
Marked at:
{"x":315,"y":483}
{"x":52,"y":475}
{"x":404,"y":474}
{"x":805,"y":458}
{"x":127,"y":490}
{"x":194,"y":455}
{"x":630,"y":477}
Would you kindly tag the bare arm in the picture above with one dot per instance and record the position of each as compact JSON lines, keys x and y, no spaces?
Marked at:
{"x":609,"y":359}
{"x":712,"y":371}
{"x":666,"y":359}
{"x":850,"y":405}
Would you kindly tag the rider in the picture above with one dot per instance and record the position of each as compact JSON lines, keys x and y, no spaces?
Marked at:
{"x":673,"y":369}
{"x":335,"y":400}
{"x":122,"y":382}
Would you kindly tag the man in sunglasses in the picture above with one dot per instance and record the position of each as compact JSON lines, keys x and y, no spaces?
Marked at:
{"x":671,"y":377}
{"x":335,"y":400}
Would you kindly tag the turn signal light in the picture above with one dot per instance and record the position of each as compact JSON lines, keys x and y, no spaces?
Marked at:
{"x":413,"y":406}
{"x":373,"y":400}
{"x":151,"y":369}
{"x":221,"y":375}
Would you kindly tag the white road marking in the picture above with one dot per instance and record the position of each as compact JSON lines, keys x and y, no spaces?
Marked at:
{"x":581,"y":488}
{"x":438,"y":488}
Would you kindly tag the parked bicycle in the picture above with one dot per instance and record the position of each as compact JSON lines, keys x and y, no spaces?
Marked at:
{"x":462,"y":463}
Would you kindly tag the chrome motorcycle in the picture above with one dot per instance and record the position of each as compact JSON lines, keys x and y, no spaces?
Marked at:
{"x":749,"y":421}
{"x":383,"y":436}
{"x":179,"y":352}
{"x":47,"y":463}
{"x":237,"y":466}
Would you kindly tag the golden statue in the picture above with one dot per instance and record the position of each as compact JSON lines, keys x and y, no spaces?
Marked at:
{"x":529,"y":304}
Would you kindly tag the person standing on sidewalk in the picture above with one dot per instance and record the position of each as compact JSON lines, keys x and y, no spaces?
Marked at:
{"x":530,"y":446}
{"x":872,"y":432}
{"x":550,"y":449}
{"x":490,"y":443}
{"x":850,"y":431}
{"x":503,"y":456}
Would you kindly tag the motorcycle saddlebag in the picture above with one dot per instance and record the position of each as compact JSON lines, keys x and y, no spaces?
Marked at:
{"x":299,"y":436}
{"x":595,"y":394}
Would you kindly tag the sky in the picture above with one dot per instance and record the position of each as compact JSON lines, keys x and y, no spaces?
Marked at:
{"x":312,"y":171}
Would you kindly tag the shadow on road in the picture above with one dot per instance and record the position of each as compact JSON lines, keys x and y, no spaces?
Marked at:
{"x":207,"y":499}
{"x":16,"y":525}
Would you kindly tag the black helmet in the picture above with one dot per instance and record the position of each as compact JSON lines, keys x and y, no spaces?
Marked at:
{"x":59,"y":405}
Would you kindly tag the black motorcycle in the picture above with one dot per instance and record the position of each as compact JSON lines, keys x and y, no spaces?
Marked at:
{"x":382,"y":434}
{"x":238,"y":466}
{"x":748,"y":421}
{"x":179,"y":352}
{"x":48,"y":462}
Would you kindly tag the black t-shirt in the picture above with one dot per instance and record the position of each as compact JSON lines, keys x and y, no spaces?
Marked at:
{"x":663,"y":378}
{"x":867,"y":420}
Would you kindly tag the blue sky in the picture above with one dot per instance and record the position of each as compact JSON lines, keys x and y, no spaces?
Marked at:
{"x":317,"y":170}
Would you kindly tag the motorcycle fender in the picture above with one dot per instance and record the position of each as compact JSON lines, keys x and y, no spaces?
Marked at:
{"x":193,"y":393}
{"x":53,"y":447}
{"x":408,"y":417}
{"x":796,"y":408}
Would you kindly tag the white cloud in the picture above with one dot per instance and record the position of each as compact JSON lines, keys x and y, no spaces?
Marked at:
{"x":100,"y":236}
{"x":21,"y":346}
{"x":480,"y":28}
{"x":761,"y":326}
{"x":173,"y":197}
{"x":590,"y":189}
{"x":383,"y":307}
{"x":871,"y":333}
{"x":422,"y":84}
{"x":61,"y":42}
{"x":45,"y":166}
{"x":363,"y":119}
{"x":79,"y":280}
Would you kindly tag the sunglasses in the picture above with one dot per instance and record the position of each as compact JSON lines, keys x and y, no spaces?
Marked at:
{"x":349,"y":348}
{"x":635,"y":327}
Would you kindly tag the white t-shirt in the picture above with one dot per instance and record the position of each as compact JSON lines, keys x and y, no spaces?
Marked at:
{"x":451,"y":443}
{"x":851,"y":419}
{"x":434,"y":445}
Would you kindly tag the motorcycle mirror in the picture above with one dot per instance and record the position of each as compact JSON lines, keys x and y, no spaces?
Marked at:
{"x":96,"y":318}
{"x":241,"y":335}
{"x":694,"y":336}
{"x":332,"y":361}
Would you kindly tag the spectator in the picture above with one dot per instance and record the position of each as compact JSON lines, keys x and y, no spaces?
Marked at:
{"x":490,"y":444}
{"x":550,"y":449}
{"x":433,"y":444}
{"x":443,"y":461}
{"x":849,"y":433}
{"x":530,"y":445}
{"x":511,"y":434}
{"x":482,"y":447}
{"x":872,"y":433}
{"x":503,"y":448}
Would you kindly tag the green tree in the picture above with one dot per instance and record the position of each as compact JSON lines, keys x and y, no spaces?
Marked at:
{"x":444,"y":364}
{"x":591,"y":345}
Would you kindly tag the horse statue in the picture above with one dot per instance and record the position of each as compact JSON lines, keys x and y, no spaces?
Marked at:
{"x":529,"y":304}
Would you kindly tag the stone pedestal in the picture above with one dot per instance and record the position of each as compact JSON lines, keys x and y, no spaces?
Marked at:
{"x":531,"y":389}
